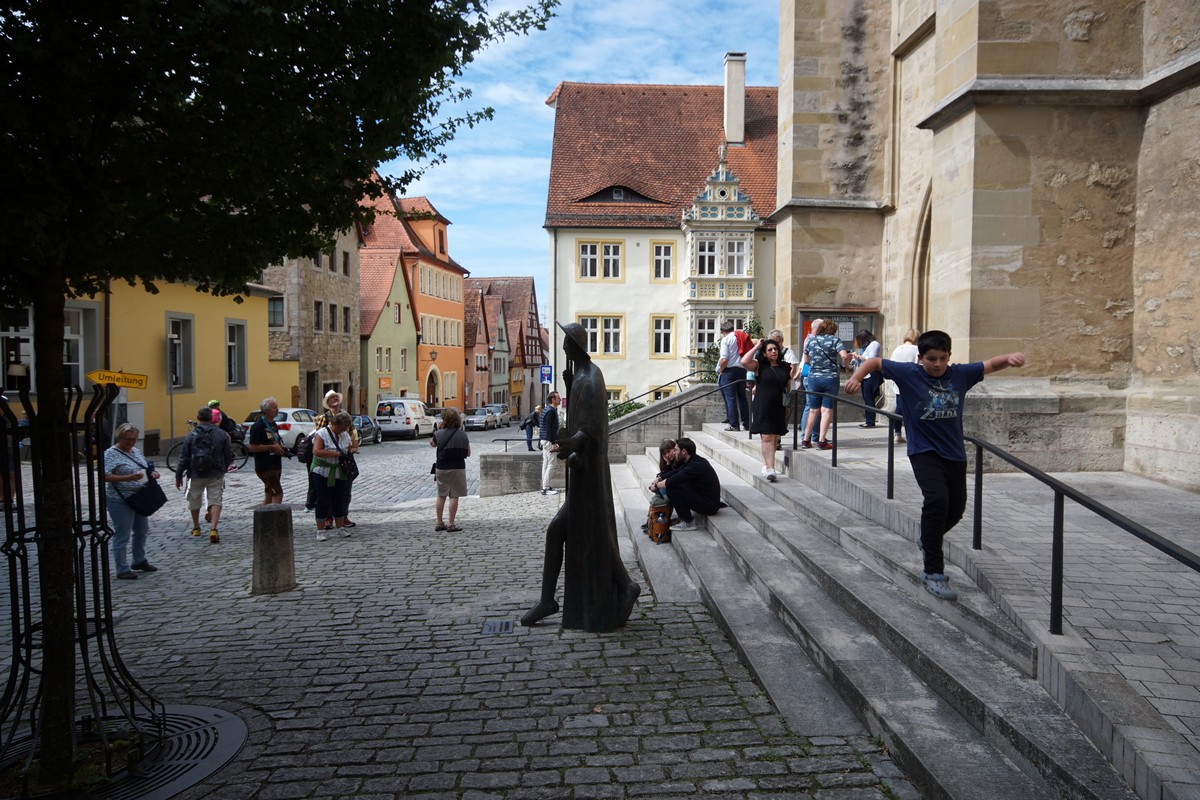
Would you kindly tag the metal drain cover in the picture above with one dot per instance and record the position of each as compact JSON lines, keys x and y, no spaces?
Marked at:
{"x":198,"y":742}
{"x":498,"y":626}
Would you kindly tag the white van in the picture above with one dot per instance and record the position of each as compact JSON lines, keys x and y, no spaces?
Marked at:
{"x":403,"y":416}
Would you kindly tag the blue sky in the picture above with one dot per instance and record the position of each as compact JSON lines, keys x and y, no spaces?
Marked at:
{"x":492,"y":187}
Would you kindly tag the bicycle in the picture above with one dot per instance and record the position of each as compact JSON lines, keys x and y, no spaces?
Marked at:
{"x":240,"y":454}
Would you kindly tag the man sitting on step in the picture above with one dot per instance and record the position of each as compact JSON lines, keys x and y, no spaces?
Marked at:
{"x":691,"y":486}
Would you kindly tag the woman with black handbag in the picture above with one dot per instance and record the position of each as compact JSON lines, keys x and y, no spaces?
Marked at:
{"x":131,"y":494}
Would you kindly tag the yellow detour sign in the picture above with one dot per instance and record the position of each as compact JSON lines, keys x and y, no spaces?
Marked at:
{"x":126,"y":380}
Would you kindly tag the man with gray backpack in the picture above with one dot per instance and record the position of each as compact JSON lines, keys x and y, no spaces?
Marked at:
{"x":207,"y":454}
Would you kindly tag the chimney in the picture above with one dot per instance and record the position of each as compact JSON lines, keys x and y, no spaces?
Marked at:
{"x":735,"y":98}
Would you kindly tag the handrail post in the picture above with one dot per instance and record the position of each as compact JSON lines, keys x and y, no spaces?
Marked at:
{"x":1056,"y":567}
{"x":796,"y":421}
{"x":679,"y":432}
{"x":977,"y":535}
{"x":833,"y":427}
{"x":891,"y":468}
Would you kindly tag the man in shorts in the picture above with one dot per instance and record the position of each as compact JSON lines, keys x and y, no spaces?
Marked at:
{"x":206,"y":478}
{"x":268,"y":451}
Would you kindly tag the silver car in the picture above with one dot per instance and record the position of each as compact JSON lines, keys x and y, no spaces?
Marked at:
{"x":480,"y":419}
{"x":503,"y":415}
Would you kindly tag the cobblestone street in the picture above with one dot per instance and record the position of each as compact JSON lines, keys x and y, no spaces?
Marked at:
{"x":375,"y":678}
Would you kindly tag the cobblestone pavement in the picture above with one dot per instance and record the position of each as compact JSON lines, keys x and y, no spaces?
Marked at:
{"x":375,"y":678}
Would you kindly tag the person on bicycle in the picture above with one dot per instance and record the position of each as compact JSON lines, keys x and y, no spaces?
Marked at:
{"x":206,"y":456}
{"x":224,"y":421}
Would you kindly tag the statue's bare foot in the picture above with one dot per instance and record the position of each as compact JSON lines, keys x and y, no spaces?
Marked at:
{"x":539,"y":612}
{"x":629,"y":596}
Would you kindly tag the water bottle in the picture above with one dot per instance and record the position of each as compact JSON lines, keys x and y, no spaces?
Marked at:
{"x":149,"y":468}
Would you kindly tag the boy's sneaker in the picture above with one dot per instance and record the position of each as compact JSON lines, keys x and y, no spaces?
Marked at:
{"x":213,"y":538}
{"x":321,"y":537}
{"x":806,"y":444}
{"x":690,"y":525}
{"x":771,"y":475}
{"x":938,"y":585}
{"x":196,"y":531}
{"x":824,"y":446}
{"x":549,"y":491}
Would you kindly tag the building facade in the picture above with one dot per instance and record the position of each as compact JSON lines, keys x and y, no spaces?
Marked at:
{"x":658,"y":219}
{"x":389,"y":322}
{"x":526,"y":353}
{"x":192,"y":346}
{"x":1013,"y":174}
{"x":315,"y":321}
{"x":437,"y":282}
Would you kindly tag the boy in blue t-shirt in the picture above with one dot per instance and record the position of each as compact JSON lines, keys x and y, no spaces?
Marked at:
{"x":933,"y":391}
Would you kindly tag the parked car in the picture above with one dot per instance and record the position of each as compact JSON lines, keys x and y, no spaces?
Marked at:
{"x":480,"y":419}
{"x":368,"y":431}
{"x":293,"y":423}
{"x":502,"y":412}
{"x":403,"y":416}
{"x":435,"y":414}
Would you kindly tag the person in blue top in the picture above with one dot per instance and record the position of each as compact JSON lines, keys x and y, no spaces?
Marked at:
{"x":934,"y":390}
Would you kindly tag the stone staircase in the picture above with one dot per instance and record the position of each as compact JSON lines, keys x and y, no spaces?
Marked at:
{"x":801,"y":583}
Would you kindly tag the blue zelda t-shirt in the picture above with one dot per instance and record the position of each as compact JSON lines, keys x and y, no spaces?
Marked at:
{"x":933,"y":406}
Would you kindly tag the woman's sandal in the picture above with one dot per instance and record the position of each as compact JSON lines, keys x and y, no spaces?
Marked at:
{"x":439,"y":527}
{"x":453,"y":529}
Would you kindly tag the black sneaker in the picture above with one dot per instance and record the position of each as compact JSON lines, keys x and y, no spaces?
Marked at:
{"x":144,"y":566}
{"x":128,"y":575}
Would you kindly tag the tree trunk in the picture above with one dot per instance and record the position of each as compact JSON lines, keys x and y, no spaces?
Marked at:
{"x":54,"y":498}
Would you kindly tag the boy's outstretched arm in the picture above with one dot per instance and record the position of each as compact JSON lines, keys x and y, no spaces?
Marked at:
{"x":1001,"y":362}
{"x":864,"y":369}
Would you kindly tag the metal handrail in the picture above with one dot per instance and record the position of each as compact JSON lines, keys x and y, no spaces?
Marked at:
{"x":677,"y":382}
{"x":678,"y":408}
{"x":1061,"y":490}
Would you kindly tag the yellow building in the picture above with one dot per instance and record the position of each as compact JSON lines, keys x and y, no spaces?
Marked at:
{"x":193,"y":347}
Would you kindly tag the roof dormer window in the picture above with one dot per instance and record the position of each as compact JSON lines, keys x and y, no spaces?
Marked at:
{"x":618,"y":193}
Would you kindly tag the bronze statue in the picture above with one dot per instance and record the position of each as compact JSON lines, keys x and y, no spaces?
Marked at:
{"x":598,"y":594}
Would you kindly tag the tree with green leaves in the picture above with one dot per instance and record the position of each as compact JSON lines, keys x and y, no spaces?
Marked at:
{"x":144,"y":141}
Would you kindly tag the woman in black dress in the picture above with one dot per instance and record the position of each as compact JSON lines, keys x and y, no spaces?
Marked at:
{"x":771,"y":381}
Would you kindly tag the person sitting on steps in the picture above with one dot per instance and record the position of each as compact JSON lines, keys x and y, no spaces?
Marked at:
{"x":691,"y":486}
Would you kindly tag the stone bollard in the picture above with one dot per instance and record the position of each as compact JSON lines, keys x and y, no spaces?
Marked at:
{"x":274,"y":560}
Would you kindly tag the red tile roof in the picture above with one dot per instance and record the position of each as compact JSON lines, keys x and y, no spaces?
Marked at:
{"x":661,"y":142}
{"x":384,"y":242}
{"x":519,"y":295}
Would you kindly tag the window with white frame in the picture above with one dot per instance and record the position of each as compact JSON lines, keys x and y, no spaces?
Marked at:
{"x":589,"y":259}
{"x":706,"y":256}
{"x":735,"y":257}
{"x":396,"y":313}
{"x":379,"y":359}
{"x":611,"y":329}
{"x":610,"y":257}
{"x":451,"y":381}
{"x":663,"y":338}
{"x":706,"y":333}
{"x":404,"y":359}
{"x":664,"y":259}
{"x":591,"y":326}
{"x":72,"y":347}
{"x":181,"y":348}
{"x":387,"y":359}
{"x":235,"y":353}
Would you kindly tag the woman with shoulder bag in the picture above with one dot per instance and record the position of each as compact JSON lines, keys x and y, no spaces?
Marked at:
{"x":127,"y":472}
{"x":329,"y":477}
{"x":768,"y":418}
{"x":453,"y":450}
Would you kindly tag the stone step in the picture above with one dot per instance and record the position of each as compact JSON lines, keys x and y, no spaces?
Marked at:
{"x":888,"y":553}
{"x":906,"y":671}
